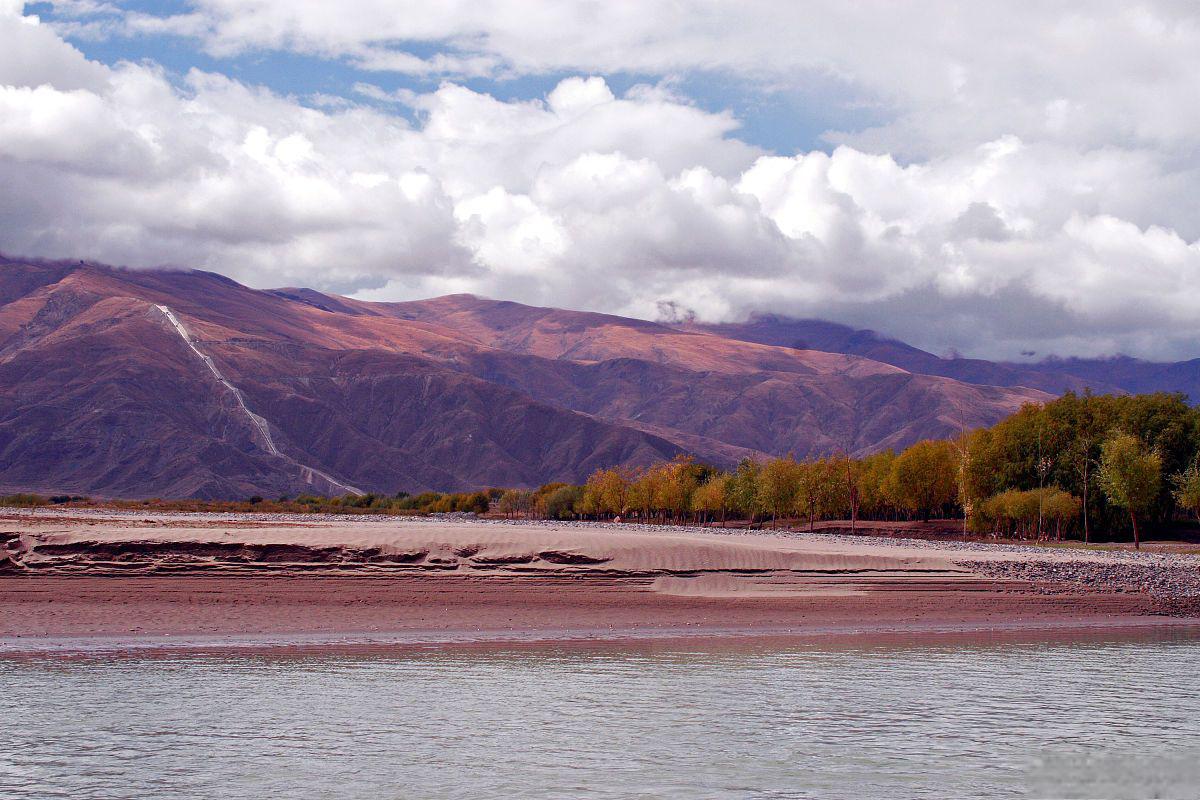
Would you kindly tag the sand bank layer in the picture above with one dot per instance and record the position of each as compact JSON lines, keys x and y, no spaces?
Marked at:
{"x":163,"y":545}
{"x":223,"y":575}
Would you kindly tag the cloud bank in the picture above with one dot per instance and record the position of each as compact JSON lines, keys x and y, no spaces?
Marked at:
{"x":1032,"y":187}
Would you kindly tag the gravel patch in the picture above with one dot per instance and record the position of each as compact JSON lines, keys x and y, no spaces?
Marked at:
{"x":1156,"y":580}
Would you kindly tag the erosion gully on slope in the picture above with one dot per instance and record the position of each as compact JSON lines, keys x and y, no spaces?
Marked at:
{"x":258,"y":422}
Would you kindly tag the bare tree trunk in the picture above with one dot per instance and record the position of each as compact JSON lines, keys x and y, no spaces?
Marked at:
{"x":1137,"y":545}
{"x":852,"y":493}
{"x":1087,"y":538}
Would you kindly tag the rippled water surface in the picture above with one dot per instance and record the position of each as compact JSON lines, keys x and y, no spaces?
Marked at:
{"x":1113,"y":718}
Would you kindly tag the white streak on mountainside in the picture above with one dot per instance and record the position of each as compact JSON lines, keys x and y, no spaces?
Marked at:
{"x":259,"y":423}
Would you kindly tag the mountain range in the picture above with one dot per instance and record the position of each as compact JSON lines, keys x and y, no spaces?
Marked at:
{"x":181,"y":383}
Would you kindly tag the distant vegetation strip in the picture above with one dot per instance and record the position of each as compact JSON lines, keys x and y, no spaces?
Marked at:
{"x":1069,"y":468}
{"x":401,"y":503}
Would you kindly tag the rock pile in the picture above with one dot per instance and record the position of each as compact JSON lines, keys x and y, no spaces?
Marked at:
{"x":1156,"y":579}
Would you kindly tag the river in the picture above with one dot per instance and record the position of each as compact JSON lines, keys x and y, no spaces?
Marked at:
{"x":1096,"y":717}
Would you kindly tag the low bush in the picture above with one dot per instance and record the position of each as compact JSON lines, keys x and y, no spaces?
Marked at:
{"x":24,"y":500}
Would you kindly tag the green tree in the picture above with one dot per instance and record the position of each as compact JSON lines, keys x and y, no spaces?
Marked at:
{"x":778,"y":483}
{"x":607,"y":492}
{"x":1187,"y":489}
{"x":1131,"y":476}
{"x":509,"y":503}
{"x":807,"y":493}
{"x":1083,"y":452}
{"x":673,"y":491}
{"x":821,"y":490}
{"x":1018,"y":511}
{"x":833,"y":488}
{"x":561,"y":503}
{"x":476,"y":502}
{"x":645,"y":491}
{"x":539,"y":496}
{"x":872,"y":477}
{"x":924,"y":478}
{"x":712,"y":497}
{"x":743,"y":488}
{"x":1059,"y":507}
{"x":849,"y":471}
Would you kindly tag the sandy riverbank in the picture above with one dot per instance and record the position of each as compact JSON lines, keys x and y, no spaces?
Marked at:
{"x":126,"y":575}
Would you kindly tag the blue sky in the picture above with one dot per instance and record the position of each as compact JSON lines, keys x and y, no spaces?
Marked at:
{"x":781,"y":119}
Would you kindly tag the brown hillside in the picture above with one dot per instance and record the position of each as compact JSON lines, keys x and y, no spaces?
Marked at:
{"x":293,"y":390}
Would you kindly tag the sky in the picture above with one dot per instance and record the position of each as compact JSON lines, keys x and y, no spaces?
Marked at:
{"x":1010,"y":180}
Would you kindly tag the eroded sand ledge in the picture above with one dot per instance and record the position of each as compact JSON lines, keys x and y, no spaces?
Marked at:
{"x":147,"y":575}
{"x":139,"y":545}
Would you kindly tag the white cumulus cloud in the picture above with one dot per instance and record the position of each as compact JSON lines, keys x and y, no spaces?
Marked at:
{"x":1030,"y":188}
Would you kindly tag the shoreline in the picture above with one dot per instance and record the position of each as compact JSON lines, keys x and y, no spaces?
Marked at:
{"x":934,"y":534}
{"x":715,"y":639}
{"x":145,"y":583}
{"x":66,"y":614}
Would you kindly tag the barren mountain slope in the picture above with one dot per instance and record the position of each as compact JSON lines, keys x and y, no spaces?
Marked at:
{"x":186,"y":383}
{"x":99,"y":393}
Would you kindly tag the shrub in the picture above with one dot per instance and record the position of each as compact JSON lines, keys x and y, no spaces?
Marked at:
{"x":1016,"y":513}
{"x":477,"y":502}
{"x":562,"y":503}
{"x":23,"y":500}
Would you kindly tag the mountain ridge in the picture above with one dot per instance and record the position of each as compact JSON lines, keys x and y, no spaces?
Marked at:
{"x":100,"y":393}
{"x":1117,"y":373}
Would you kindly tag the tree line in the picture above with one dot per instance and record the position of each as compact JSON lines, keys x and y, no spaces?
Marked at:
{"x":1067,"y":468}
